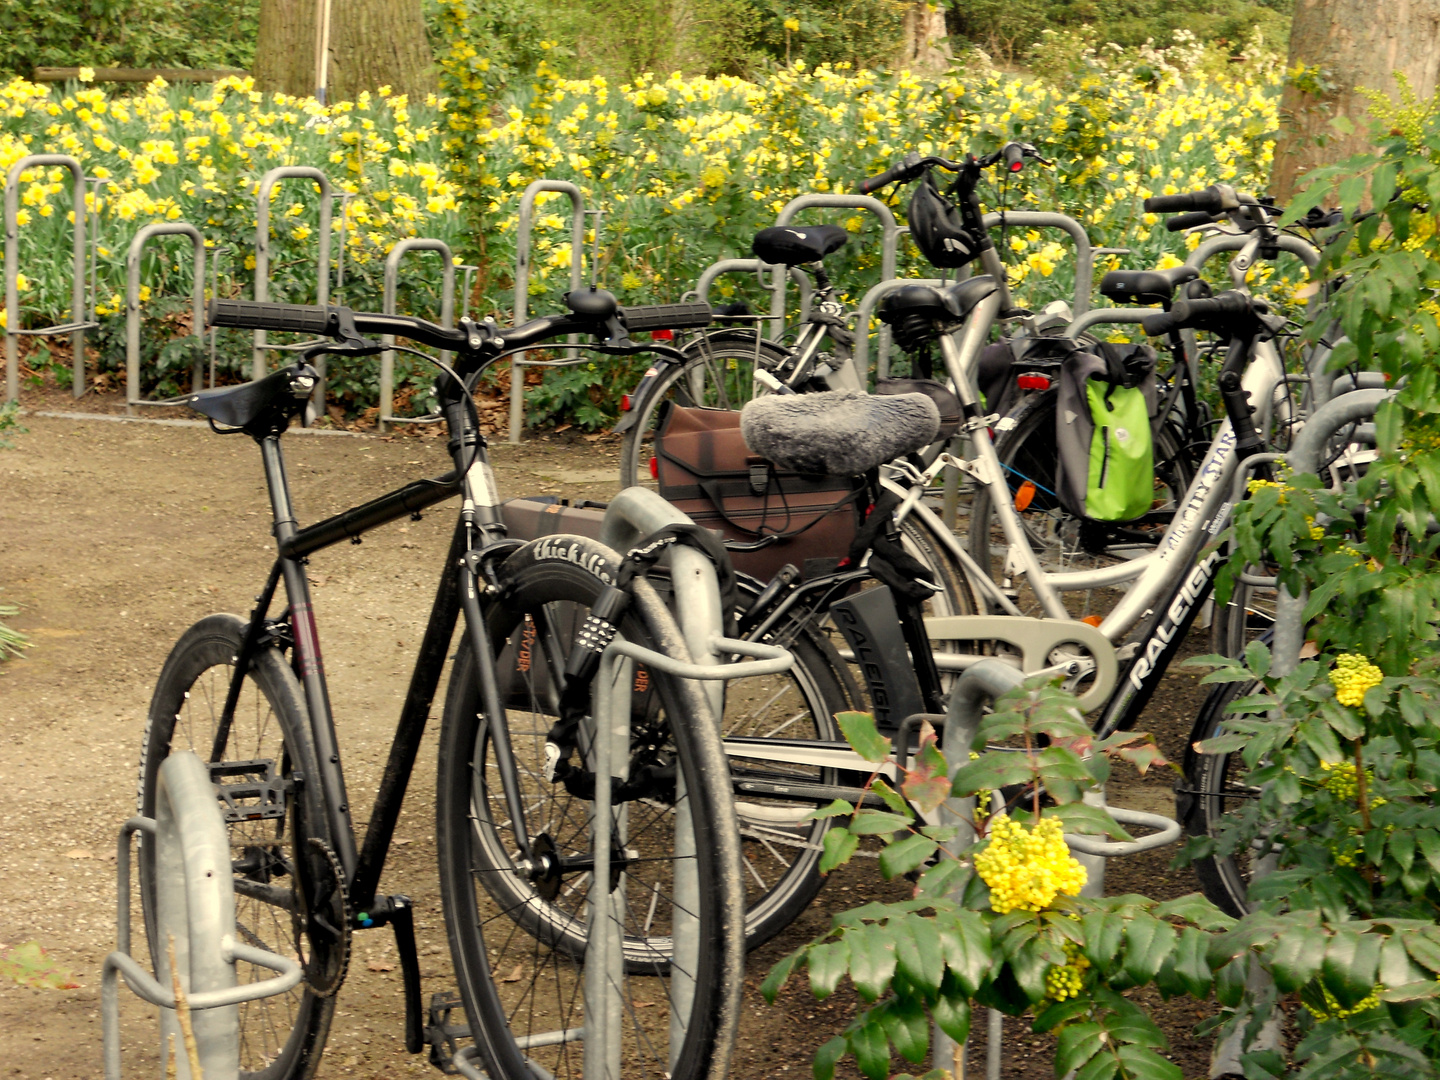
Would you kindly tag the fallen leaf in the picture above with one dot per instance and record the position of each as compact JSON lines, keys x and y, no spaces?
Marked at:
{"x":79,"y":853}
{"x":516,"y":975}
{"x":30,"y":965}
{"x":380,"y":965}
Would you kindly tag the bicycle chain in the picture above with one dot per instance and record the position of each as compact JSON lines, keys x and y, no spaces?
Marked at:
{"x":317,"y":981}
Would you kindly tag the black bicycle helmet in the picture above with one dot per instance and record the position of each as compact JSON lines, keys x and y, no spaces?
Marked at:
{"x":935,"y":225}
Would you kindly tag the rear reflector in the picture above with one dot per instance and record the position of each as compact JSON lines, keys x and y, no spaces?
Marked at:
{"x":662,"y":335}
{"x":655,"y":468}
{"x":624,"y":402}
{"x":1033,"y":382}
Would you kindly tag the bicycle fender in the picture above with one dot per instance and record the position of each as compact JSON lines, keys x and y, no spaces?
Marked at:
{"x":1036,"y":639}
{"x":871,"y":625}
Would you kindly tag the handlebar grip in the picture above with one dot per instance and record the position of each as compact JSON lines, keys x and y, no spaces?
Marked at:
{"x":875,"y":183}
{"x":1014,"y":157}
{"x":1210,"y":201}
{"x":1206,"y":314}
{"x":1181,"y":222}
{"x":667,"y":316}
{"x":254,"y":315}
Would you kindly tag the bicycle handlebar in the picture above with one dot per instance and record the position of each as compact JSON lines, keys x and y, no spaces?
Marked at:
{"x":336,"y":321}
{"x":1215,"y":199}
{"x":1181,"y":222}
{"x":912,"y":165}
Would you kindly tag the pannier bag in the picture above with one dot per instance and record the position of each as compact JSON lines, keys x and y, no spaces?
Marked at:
{"x":1106,"y":467}
{"x":705,"y":469}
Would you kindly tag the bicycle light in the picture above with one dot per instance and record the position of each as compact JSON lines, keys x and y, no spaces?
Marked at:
{"x":1033,"y":381}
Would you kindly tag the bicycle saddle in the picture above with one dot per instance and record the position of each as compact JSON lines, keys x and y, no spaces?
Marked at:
{"x":791,"y":245}
{"x":1145,"y":286}
{"x":936,"y":302}
{"x":840,"y":432}
{"x":241,"y":406}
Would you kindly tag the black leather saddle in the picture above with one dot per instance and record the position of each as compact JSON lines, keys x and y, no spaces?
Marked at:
{"x":1145,"y":286}
{"x":792,"y":245}
{"x":936,"y":302}
{"x":281,"y":393}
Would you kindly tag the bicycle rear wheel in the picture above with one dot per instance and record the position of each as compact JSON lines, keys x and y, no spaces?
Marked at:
{"x":1215,"y":787}
{"x":720,"y":374}
{"x":519,"y":939}
{"x":282,"y":1037}
{"x":1028,"y":455}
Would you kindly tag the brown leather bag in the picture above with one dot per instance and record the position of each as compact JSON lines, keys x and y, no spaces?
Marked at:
{"x":707,"y":471}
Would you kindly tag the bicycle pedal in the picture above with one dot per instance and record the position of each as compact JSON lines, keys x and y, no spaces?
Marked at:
{"x":258,"y":794}
{"x":442,"y":1035}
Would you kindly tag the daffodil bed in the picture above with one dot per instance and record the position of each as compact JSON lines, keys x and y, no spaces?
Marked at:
{"x":686,"y":171}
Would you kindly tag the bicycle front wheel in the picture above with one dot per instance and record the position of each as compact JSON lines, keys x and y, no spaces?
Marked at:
{"x":520,"y":933}
{"x":720,"y":374}
{"x":281,"y":1037}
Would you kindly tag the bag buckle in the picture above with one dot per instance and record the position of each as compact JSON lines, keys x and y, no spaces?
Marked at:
{"x":759,"y":476}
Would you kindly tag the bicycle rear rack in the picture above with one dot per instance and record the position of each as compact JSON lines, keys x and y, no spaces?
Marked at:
{"x":195,"y":921}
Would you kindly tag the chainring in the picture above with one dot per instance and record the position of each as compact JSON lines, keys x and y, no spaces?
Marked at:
{"x":325,"y":919}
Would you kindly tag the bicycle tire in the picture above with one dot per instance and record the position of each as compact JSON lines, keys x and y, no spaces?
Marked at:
{"x":1028,"y":455}
{"x":519,"y":954}
{"x":1214,"y":784}
{"x":719,"y":375}
{"x":283,"y":1037}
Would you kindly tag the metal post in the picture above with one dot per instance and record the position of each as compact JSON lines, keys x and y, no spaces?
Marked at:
{"x":447,"y":318}
{"x":522,"y":278}
{"x":262,"y":255}
{"x":77,"y":325}
{"x":132,"y":305}
{"x":604,"y":948}
{"x":215,"y":292}
{"x":469,"y":281}
{"x":889,"y":248}
{"x":758,"y":268}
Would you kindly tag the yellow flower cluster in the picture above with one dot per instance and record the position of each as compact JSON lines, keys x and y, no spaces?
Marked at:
{"x":1068,"y":979}
{"x":1027,"y":868}
{"x":1333,"y":1011}
{"x":1352,"y":676}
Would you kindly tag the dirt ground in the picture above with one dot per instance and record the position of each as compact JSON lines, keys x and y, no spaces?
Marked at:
{"x":115,"y":536}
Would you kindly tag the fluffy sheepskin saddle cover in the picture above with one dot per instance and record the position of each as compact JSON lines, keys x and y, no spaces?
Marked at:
{"x":838,"y":433}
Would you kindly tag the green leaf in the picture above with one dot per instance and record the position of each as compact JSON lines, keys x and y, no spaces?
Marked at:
{"x":872,"y":1051}
{"x":1104,"y":930}
{"x":1076,"y":1045}
{"x":1147,"y":942}
{"x":871,"y":822}
{"x":1058,"y":1012}
{"x":919,"y":956}
{"x":1396,"y":967}
{"x":1351,"y":961}
{"x":1424,"y":950}
{"x":1080,"y":817}
{"x":779,"y":976}
{"x":952,"y":1016}
{"x":1230,"y":982}
{"x":965,"y":941}
{"x":1257,"y":658}
{"x":908,"y":1028}
{"x":992,"y":771}
{"x":1100,"y":1067}
{"x":872,"y":960}
{"x":839,"y":845}
{"x":1190,"y":962}
{"x":838,"y":808}
{"x":1142,"y":1063}
{"x":905,"y":855}
{"x":1296,"y":957}
{"x":827,"y":1056}
{"x":827,"y":962}
{"x":859,"y":731}
{"x":890,"y":797}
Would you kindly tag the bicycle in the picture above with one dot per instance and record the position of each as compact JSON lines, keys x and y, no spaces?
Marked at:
{"x":530,"y":885}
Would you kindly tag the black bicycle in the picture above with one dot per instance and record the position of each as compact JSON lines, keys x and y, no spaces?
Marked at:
{"x":523,"y":884}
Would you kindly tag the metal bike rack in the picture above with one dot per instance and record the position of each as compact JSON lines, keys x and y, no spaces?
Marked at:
{"x":752,"y":266}
{"x":522,"y":279}
{"x":447,"y":320}
{"x":195,"y":910}
{"x":79,"y":324}
{"x":1084,"y":253}
{"x":132,"y":306}
{"x":866,"y":311}
{"x":262,"y":258}
{"x":889,"y":251}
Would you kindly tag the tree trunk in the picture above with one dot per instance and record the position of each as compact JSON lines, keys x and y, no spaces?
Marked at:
{"x":285,"y":48}
{"x":1353,"y":46}
{"x":375,"y":43}
{"x":924,"y":30}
